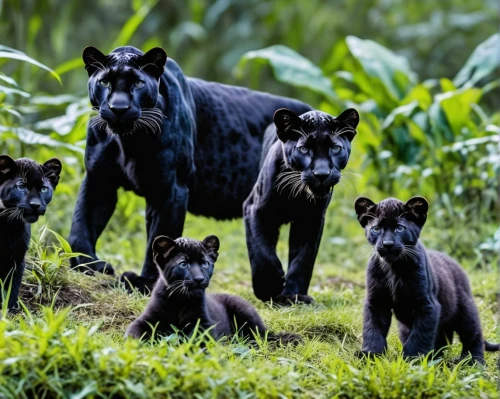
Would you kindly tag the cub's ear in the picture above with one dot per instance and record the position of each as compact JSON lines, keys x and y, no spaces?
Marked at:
{"x":287,"y":124}
{"x":8,"y":167}
{"x":93,"y":59}
{"x":162,"y":245}
{"x":52,"y":170}
{"x":362,"y":205}
{"x":154,"y":61}
{"x":418,"y":207}
{"x":211,"y":243}
{"x":350,"y":117}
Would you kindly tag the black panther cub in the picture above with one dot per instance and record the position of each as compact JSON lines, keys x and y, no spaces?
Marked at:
{"x":181,"y":143}
{"x":294,"y":186}
{"x":428,"y":292}
{"x":178,"y":299}
{"x":25,"y":191}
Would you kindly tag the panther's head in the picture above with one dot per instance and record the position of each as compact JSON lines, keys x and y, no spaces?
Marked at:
{"x":316,"y":147}
{"x":124,"y":88}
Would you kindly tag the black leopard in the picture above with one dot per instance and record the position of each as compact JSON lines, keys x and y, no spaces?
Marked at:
{"x":179,"y":299}
{"x":181,"y":143}
{"x":26,"y":188}
{"x":303,"y":159}
{"x":428,"y":291}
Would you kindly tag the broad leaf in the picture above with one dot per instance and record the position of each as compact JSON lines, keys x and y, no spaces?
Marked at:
{"x":291,"y":68}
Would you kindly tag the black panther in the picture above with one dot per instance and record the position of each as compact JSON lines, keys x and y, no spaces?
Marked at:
{"x":179,"y":299}
{"x":303,"y":157}
{"x":181,"y":143}
{"x":428,"y":291}
{"x":26,"y":189}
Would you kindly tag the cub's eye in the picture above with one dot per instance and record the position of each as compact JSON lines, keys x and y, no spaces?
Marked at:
{"x":139,"y":83}
{"x":376,"y":230}
{"x":104,"y":83}
{"x":183,"y":264}
{"x":336,"y":149}
{"x":44,"y":189}
{"x":400,"y":229}
{"x":205,"y":265}
{"x":21,"y":187}
{"x":303,"y":149}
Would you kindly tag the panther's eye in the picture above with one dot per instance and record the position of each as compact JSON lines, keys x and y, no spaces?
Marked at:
{"x":104,"y":83}
{"x":303,"y":149}
{"x":139,"y":83}
{"x":205,"y":265}
{"x":400,"y":229}
{"x":336,"y":149}
{"x":21,"y":187}
{"x":376,"y":230}
{"x":183,"y":264}
{"x":44,"y":189}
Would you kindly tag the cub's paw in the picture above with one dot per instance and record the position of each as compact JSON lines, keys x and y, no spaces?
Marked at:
{"x":133,"y":282}
{"x":290,"y":299}
{"x":285,"y":338}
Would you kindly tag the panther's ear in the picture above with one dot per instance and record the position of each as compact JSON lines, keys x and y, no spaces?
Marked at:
{"x":350,"y":117}
{"x":362,"y":205}
{"x":417,"y":210}
{"x":154,"y":61}
{"x":211,"y":243}
{"x":52,"y":170}
{"x":8,"y":168}
{"x":162,"y":245}
{"x":93,"y":59}
{"x":287,"y":124}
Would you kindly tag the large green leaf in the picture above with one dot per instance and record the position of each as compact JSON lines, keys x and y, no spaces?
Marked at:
{"x":377,"y":61}
{"x":17,"y":55}
{"x":457,"y":106}
{"x":290,"y":67}
{"x":483,"y":61}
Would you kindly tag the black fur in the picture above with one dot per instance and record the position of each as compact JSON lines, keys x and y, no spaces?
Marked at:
{"x":428,"y":292}
{"x":181,"y":143}
{"x":294,"y":186}
{"x":26,"y":189}
{"x":179,"y":299}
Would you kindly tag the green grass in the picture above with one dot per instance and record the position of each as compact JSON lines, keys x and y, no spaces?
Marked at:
{"x":68,"y":341}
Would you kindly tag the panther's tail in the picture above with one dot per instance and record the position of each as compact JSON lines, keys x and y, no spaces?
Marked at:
{"x":284,"y":338}
{"x":491,"y":347}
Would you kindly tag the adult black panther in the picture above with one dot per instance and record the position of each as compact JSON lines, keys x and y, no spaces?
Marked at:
{"x":294,"y":186}
{"x":181,"y":143}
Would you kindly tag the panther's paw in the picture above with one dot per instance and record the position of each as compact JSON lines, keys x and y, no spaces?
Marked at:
{"x":134,"y":282}
{"x":267,"y":287}
{"x":290,"y":299}
{"x":363,"y":354}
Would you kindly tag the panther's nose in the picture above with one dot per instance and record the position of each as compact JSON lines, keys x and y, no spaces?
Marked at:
{"x":321,"y":174}
{"x":119,"y":109}
{"x":388,"y":243}
{"x":35,"y":204}
{"x":198,"y":279}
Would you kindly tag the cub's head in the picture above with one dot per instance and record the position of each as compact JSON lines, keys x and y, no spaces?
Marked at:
{"x":185,"y":264}
{"x":392,"y":226}
{"x":124,"y":88}
{"x":316,"y":147}
{"x":26,"y":188}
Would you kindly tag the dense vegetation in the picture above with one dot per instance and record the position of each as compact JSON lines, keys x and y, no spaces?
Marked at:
{"x":426,"y":85}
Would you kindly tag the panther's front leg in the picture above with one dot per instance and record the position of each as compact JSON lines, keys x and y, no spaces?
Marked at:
{"x":262,"y":236}
{"x":305,"y":236}
{"x":163,"y":217}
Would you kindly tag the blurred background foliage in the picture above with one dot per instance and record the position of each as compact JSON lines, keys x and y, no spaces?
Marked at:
{"x":423,"y":74}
